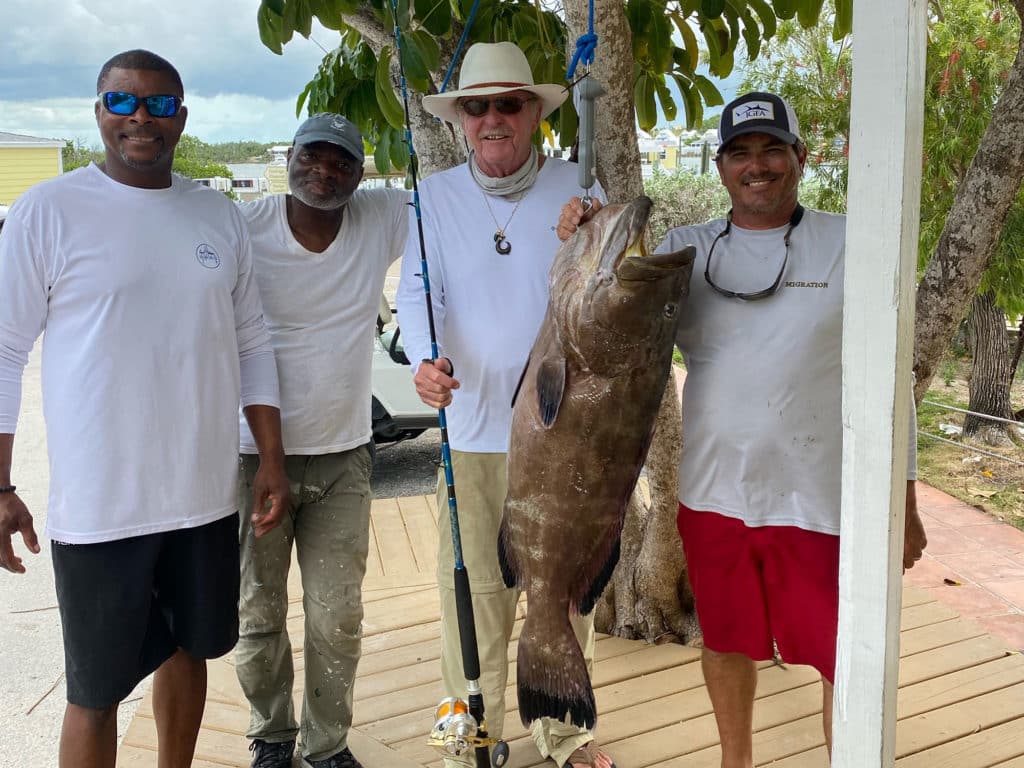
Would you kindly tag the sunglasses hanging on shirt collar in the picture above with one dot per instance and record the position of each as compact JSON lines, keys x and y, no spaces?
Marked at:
{"x":794,"y":220}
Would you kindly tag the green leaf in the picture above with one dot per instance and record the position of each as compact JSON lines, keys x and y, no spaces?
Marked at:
{"x":643,"y":94}
{"x":785,"y":9}
{"x":399,"y":152}
{"x":299,"y":16}
{"x":751,"y":35}
{"x":276,"y":6}
{"x":382,"y":153}
{"x":689,"y":41}
{"x":268,"y":23}
{"x":709,"y":92}
{"x":668,"y":104}
{"x":434,"y":15}
{"x":568,"y":123}
{"x":302,"y":98}
{"x":388,"y":102}
{"x":767,"y":17}
{"x":659,"y":41}
{"x":712,"y":9}
{"x":691,"y":102}
{"x":808,"y":12}
{"x":843,"y":24}
{"x":422,"y":57}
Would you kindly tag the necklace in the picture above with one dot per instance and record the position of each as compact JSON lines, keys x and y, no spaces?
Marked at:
{"x":501,"y":243}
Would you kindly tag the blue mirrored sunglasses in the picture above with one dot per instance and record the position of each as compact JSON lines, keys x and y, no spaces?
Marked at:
{"x":124,"y":104}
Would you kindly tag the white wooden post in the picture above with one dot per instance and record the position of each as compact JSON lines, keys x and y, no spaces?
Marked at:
{"x":881,"y":252}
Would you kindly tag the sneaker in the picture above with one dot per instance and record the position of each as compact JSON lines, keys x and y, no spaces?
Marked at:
{"x":271,"y":754}
{"x":343,"y":759}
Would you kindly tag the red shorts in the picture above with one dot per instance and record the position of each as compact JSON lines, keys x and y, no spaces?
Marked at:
{"x":753,"y":585}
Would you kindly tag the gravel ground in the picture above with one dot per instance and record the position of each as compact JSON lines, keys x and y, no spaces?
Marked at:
{"x":32,"y":690}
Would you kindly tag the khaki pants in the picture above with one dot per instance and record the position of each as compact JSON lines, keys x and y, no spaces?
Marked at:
{"x":481,"y":480}
{"x":329,"y":524}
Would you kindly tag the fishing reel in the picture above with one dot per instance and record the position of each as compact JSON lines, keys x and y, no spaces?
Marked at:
{"x":456,"y":732}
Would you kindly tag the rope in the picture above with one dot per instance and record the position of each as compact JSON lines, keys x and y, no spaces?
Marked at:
{"x":972,"y":413}
{"x":585,"y":46}
{"x":971,"y":448}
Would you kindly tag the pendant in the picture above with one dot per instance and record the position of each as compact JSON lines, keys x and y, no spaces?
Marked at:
{"x":501,"y":245}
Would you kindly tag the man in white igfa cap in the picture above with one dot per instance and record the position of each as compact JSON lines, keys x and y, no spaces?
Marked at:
{"x":489,"y":231}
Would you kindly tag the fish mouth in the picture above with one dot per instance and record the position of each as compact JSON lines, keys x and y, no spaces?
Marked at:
{"x":626,"y":252}
{"x":626,"y":238}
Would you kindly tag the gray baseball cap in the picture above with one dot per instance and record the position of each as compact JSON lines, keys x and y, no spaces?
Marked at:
{"x":334,"y":129}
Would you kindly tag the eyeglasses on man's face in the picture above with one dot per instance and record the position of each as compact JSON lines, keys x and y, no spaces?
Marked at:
{"x":506,"y":105}
{"x":765,"y":292}
{"x":125,"y":104}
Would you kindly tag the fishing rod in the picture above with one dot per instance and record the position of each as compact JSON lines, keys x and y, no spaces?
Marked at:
{"x":459,"y":726}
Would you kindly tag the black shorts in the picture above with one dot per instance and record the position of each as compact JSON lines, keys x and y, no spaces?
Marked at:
{"x":126,"y":606}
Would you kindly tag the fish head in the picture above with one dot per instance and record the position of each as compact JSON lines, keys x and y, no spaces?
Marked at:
{"x":615,"y":306}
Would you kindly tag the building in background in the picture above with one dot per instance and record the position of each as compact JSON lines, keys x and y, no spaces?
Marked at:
{"x":25,"y":161}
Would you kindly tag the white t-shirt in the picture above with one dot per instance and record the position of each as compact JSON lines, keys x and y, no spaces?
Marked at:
{"x":151,"y":319}
{"x":321,"y":309}
{"x":763,"y":396}
{"x":487,"y":306}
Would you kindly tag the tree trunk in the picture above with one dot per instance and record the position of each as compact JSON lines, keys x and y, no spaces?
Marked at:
{"x":990,"y":373}
{"x":972,"y":228}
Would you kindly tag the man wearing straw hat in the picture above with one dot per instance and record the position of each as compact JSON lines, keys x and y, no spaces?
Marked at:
{"x":489,"y":235}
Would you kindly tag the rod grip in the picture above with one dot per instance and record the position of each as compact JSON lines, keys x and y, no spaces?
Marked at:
{"x":467,"y":626}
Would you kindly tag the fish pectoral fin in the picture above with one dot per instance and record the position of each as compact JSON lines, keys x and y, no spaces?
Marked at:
{"x":550,"y":388}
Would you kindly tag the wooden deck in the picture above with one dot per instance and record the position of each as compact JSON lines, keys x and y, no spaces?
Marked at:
{"x":961,"y":692}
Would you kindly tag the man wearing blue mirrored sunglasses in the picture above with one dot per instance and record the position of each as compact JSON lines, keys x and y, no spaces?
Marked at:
{"x":154,"y":332}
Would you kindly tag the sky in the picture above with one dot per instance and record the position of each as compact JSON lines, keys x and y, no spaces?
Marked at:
{"x":235,"y":88}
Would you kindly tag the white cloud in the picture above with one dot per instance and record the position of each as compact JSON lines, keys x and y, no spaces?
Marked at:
{"x":235,"y":88}
{"x":226,"y":117}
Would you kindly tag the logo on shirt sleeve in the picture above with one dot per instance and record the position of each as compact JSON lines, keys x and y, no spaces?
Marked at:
{"x":207,"y":256}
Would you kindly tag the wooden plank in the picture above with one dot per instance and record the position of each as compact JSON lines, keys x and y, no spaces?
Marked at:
{"x":932,"y":636}
{"x":950,"y":658}
{"x":1001,"y":745}
{"x":959,"y":720}
{"x":960,"y":685}
{"x":924,"y":614}
{"x":374,"y":566}
{"x":392,"y":539}
{"x":694,"y":738}
{"x":422,"y":531}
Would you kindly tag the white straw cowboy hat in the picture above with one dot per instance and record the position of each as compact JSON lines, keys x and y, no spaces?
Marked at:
{"x":489,"y":69}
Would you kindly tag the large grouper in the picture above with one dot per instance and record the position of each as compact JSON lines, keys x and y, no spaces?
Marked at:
{"x":582,"y":421}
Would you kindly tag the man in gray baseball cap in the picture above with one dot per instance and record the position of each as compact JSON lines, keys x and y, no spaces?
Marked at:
{"x":333,"y":129}
{"x":320,"y":255}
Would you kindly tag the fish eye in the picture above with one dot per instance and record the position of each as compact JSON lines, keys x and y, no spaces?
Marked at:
{"x":670,"y":310}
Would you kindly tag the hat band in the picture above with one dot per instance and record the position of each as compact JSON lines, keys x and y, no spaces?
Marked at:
{"x":510,"y":86}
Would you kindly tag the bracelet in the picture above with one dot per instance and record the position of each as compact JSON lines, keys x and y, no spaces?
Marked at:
{"x":8,"y":488}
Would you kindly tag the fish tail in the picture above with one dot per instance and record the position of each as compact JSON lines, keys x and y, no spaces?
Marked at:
{"x":553,"y":680}
{"x":506,"y":555}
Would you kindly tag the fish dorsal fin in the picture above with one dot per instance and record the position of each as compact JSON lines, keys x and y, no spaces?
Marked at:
{"x":550,"y":388}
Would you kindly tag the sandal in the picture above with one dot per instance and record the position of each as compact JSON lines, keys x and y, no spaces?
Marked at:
{"x":585,"y":755}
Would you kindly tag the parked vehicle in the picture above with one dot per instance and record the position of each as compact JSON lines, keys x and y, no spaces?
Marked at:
{"x":398,"y":413}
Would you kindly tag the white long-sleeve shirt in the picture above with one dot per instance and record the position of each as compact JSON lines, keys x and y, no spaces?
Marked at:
{"x":153,"y":331}
{"x":487,"y":306}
